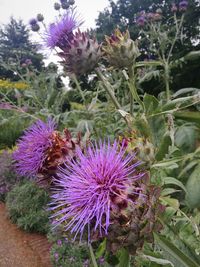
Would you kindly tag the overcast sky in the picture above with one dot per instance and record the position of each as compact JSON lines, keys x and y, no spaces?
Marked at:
{"x":26,"y":9}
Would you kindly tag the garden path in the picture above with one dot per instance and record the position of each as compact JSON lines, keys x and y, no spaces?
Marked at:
{"x":20,"y":249}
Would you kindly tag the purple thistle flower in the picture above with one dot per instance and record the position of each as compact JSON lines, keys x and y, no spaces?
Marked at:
{"x":30,"y":153}
{"x":60,"y":33}
{"x":89,"y":188}
{"x":32,"y":21}
{"x":183,"y":5}
{"x":141,"y":20}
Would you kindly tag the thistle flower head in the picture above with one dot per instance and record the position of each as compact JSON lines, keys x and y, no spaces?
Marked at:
{"x":93,"y":188}
{"x":174,"y":7}
{"x":82,"y":55}
{"x":141,"y":20}
{"x":42,"y":149}
{"x":32,"y":21}
{"x":60,"y":32}
{"x":183,"y":5}
{"x":31,"y":148}
{"x":120,"y":51}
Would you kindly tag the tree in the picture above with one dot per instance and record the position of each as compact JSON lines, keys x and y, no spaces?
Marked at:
{"x":124,"y":14}
{"x":16,"y":48}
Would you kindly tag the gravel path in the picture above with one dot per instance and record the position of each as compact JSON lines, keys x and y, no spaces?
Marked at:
{"x":20,"y":249}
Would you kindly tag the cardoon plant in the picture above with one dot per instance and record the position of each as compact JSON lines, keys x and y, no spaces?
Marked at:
{"x":32,"y":147}
{"x":79,"y":52}
{"x":102,"y":194}
{"x":59,"y":33}
{"x":42,"y":149}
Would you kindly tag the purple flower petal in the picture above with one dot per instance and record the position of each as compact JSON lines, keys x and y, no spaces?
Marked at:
{"x":31,"y":148}
{"x":86,"y":187}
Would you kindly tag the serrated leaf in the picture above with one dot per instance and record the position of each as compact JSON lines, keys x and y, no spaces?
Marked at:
{"x":167,"y":162}
{"x":101,"y":249}
{"x":171,"y":202}
{"x":151,"y":103}
{"x":158,"y":260}
{"x":174,"y":181}
{"x":176,"y":256}
{"x":168,"y":191}
{"x":124,"y":258}
{"x":193,"y":188}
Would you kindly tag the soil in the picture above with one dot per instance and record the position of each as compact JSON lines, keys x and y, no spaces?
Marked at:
{"x":21,"y":249}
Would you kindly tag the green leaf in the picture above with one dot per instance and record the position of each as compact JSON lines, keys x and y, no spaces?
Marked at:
{"x":174,"y":181}
{"x":185,"y":137}
{"x":101,"y":249}
{"x":168,"y":191}
{"x":191,"y":116}
{"x":193,"y":188}
{"x":184,"y":91}
{"x":167,"y":163}
{"x":124,"y":258}
{"x":175,"y":255}
{"x":158,"y":260}
{"x":151,"y":103}
{"x":148,"y":63}
{"x":163,"y":146}
{"x":181,"y":102}
{"x":171,"y":202}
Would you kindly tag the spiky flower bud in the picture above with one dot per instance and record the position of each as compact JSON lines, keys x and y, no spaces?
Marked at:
{"x":174,"y":8}
{"x":56,"y":6}
{"x":135,"y":224}
{"x":159,"y":11}
{"x":65,"y":5}
{"x":71,"y":2}
{"x":144,"y":149}
{"x":81,"y":55}
{"x":183,"y":5}
{"x":40,"y":17}
{"x":42,"y":149}
{"x":32,"y":21}
{"x":141,"y":21}
{"x":35,"y":27}
{"x":120,"y":51}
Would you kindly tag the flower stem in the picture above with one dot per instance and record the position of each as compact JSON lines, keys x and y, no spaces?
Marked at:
{"x":110,"y":91}
{"x":73,"y":77}
{"x":132,"y":87}
{"x":94,"y":262}
{"x":108,"y":88}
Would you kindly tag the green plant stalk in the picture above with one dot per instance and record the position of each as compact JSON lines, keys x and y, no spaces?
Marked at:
{"x":18,"y":109}
{"x":131,"y":104}
{"x":94,"y":262}
{"x":108,"y":88}
{"x":110,"y":91}
{"x":167,"y":75}
{"x":132,"y":87}
{"x":79,"y":89}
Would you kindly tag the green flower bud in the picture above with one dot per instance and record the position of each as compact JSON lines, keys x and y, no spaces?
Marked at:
{"x":120,"y":51}
{"x":57,"y":6}
{"x":40,"y":17}
{"x":82,"y":54}
{"x":35,"y":27}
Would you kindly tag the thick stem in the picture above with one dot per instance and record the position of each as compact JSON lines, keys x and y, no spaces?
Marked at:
{"x":167,"y":75}
{"x":73,"y":77}
{"x":133,"y":88}
{"x":110,"y":91}
{"x":94,"y":262}
{"x":108,"y":88}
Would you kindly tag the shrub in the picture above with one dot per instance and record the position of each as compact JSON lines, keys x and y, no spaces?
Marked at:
{"x":8,"y":176}
{"x":66,"y":253}
{"x":26,"y":204}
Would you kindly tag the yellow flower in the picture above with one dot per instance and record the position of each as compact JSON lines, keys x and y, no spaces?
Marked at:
{"x":7,"y":84}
